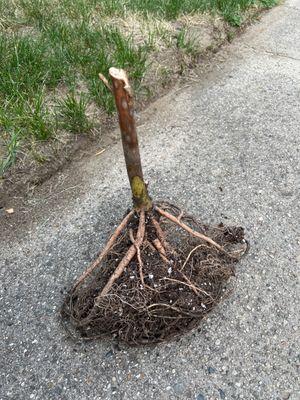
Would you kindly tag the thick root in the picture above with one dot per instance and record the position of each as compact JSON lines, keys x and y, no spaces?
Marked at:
{"x":188,"y":229}
{"x":126,"y":259}
{"x":106,"y":249}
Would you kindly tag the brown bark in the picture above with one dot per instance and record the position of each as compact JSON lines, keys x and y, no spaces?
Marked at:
{"x":124,"y":101}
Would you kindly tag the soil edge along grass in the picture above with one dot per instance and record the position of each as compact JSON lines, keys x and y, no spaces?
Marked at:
{"x":51,"y":52}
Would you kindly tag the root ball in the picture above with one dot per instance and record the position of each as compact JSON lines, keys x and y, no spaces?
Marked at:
{"x":169,"y":278}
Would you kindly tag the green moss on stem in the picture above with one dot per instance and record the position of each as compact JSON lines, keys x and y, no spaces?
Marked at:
{"x":140,"y":195}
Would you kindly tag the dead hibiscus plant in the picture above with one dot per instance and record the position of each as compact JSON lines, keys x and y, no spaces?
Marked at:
{"x":161,"y":271}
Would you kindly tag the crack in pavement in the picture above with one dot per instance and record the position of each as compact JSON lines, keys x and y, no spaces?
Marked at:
{"x":270,"y":52}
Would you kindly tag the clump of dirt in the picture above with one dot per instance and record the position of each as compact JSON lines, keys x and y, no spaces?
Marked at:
{"x":179,"y":272}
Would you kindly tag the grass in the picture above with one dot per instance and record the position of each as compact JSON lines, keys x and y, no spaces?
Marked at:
{"x":73,"y":113}
{"x":50,"y":47}
{"x":185,"y":43}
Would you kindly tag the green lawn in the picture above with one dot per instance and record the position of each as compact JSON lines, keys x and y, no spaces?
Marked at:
{"x":51,"y":52}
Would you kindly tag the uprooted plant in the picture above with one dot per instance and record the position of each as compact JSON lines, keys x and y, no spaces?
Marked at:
{"x":161,"y":271}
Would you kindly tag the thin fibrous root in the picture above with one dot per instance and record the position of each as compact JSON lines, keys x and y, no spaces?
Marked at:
{"x":126,"y":259}
{"x":188,"y":283}
{"x":150,"y":245}
{"x":190,"y":253}
{"x":106,"y":249}
{"x":179,"y":310}
{"x":180,"y":215}
{"x":194,"y":287}
{"x":188,"y":229}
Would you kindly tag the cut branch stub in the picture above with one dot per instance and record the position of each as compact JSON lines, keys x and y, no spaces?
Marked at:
{"x":124,"y":101}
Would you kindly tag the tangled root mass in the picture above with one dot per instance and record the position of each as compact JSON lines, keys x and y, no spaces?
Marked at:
{"x":170,"y":280}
